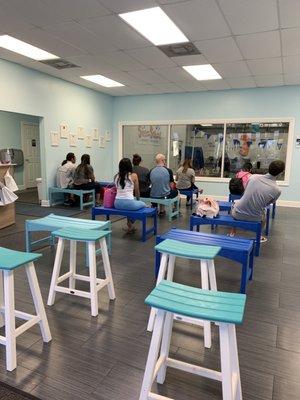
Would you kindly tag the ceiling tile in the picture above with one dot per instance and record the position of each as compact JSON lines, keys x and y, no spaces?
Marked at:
{"x":122,"y":77}
{"x":123,"y":61}
{"x":175,"y":74}
{"x":292,"y":79}
{"x":260,"y":45}
{"x":116,"y":31}
{"x":269,"y":80}
{"x":218,"y":84}
{"x":289,"y":11}
{"x":152,"y":57}
{"x":78,"y":36}
{"x":249,"y":16}
{"x":146,"y":89}
{"x":291,"y":64}
{"x":232,"y":69}
{"x":290,"y":41}
{"x":242,"y":82}
{"x":265,"y":66}
{"x":191,"y":86}
{"x":10,"y":24}
{"x":91,"y":65}
{"x":196,"y":59}
{"x":219,"y":50}
{"x":120,"y":6}
{"x":148,"y":76}
{"x":77,"y":9}
{"x":167,"y":87}
{"x":198,"y":19}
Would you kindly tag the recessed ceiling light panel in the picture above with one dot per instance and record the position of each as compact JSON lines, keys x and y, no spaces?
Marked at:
{"x":25,"y":49}
{"x":102,"y":80}
{"x":155,"y":25}
{"x":202,"y":72}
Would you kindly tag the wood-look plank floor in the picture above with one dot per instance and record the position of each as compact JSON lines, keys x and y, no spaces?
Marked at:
{"x":103,"y":358}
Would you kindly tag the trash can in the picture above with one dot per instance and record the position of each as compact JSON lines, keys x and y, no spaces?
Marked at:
{"x":39,"y":184}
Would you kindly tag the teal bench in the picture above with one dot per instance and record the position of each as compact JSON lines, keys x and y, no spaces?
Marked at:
{"x":76,"y":192}
{"x":224,"y":309}
{"x":172,"y":205}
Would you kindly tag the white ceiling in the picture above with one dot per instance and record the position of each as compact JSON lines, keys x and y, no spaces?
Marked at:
{"x":251,"y":43}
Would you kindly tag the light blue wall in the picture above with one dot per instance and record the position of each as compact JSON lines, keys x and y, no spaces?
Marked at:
{"x":262,"y":102}
{"x":10,"y":135}
{"x":26,"y":91}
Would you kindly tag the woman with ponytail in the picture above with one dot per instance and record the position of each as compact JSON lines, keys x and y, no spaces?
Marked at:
{"x":127,"y":185}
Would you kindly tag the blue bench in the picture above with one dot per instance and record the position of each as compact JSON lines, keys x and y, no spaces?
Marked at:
{"x":76,"y":192}
{"x":140,"y":215}
{"x":233,"y":197}
{"x":189,"y":193}
{"x":227,"y":205}
{"x":228,"y":220}
{"x":235,"y":249}
{"x":169,"y":203}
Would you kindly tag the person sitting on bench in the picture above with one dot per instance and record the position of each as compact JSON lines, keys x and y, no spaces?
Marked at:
{"x":143,"y":175}
{"x":162,"y":181}
{"x":127,"y":184}
{"x":65,"y":176}
{"x":84,"y":178}
{"x":185,"y":178}
{"x":261,"y":191}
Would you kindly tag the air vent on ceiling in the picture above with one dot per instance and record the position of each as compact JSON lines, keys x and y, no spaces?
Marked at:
{"x":60,"y":63}
{"x":179,"y":49}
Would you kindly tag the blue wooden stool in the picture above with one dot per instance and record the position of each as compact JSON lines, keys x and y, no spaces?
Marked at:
{"x":90,"y":237}
{"x":170,"y":249}
{"x":225,"y":309}
{"x":9,"y":261}
{"x":189,"y":193}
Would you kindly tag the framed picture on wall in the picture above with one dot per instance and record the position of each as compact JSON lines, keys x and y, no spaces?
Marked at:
{"x":73,"y":139}
{"x":64,"y":130}
{"x":101,"y":142}
{"x":88,"y":141}
{"x":80,"y":132}
{"x":54,"y":139}
{"x":95,"y":134}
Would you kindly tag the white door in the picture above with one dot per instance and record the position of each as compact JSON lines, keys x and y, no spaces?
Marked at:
{"x":31,"y":149}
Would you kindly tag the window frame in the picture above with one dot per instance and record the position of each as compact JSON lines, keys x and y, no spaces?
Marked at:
{"x":288,"y":161}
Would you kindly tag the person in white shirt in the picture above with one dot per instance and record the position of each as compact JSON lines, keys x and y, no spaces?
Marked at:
{"x":65,"y":173}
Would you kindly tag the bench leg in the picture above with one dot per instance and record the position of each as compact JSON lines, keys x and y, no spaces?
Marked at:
{"x":10,"y":324}
{"x":1,"y":299}
{"x":244,"y":276}
{"x":81,"y":202}
{"x":56,"y":270}
{"x":205,"y":285}
{"x":165,"y":346}
{"x":267,"y":221}
{"x":27,"y":239}
{"x":73,"y":246}
{"x":251,"y":264}
{"x":144,"y":229}
{"x":273,"y":210}
{"x":93,"y":278}
{"x":257,"y":243}
{"x":107,"y":269}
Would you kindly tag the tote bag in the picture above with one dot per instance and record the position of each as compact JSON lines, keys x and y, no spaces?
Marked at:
{"x":207,"y":207}
{"x":6,"y":195}
{"x":10,"y":182}
{"x":109,"y":197}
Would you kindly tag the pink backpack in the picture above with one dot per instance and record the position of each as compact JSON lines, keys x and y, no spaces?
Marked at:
{"x":109,"y":196}
{"x":207,"y":207}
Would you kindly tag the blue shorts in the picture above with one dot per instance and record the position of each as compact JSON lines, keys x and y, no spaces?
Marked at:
{"x":127,"y":204}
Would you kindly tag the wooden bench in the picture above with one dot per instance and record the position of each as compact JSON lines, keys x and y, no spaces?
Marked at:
{"x":236,"y":249}
{"x":168,"y":203}
{"x":228,"y":220}
{"x":76,"y":192}
{"x":140,"y":215}
{"x":189,"y":193}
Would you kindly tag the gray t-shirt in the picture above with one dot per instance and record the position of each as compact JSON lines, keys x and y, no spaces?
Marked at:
{"x":185,"y":178}
{"x":83,"y":174}
{"x":260,"y":191}
{"x":160,"y":182}
{"x":143,"y":175}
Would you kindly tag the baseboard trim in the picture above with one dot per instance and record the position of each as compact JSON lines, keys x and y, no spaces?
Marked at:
{"x":45,"y":203}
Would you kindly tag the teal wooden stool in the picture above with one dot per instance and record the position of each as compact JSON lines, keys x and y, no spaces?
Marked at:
{"x":170,"y":249}
{"x":224,"y":309}
{"x":90,"y":237}
{"x":9,"y":261}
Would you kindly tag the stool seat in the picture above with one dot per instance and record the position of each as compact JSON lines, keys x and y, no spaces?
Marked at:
{"x":188,"y":250}
{"x":81,"y":235}
{"x":198,"y":303}
{"x":11,"y":259}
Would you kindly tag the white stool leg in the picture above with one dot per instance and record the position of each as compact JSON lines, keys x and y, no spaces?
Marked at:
{"x":171,"y":265}
{"x":160,"y":277}
{"x":212,"y":274}
{"x":107,"y":269}
{"x":10,"y":326}
{"x":38,"y":301}
{"x":165,"y":346}
{"x":205,"y":285}
{"x":235,"y":361}
{"x":226,"y":367}
{"x":1,"y":300}
{"x":73,"y":246}
{"x":56,"y":270}
{"x":93,"y":278}
{"x":152,"y":355}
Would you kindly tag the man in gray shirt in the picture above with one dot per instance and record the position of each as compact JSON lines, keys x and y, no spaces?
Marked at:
{"x":260,"y":191}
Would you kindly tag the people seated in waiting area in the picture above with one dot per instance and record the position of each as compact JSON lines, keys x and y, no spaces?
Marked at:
{"x":162,"y":181}
{"x":127,"y":185}
{"x":65,"y":173}
{"x":260,"y":192}
{"x":84,"y":178}
{"x":245,"y":173}
{"x":185,"y":178}
{"x":143,"y":174}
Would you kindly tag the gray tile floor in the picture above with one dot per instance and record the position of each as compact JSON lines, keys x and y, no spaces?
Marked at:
{"x":103,"y":358}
